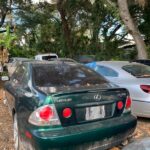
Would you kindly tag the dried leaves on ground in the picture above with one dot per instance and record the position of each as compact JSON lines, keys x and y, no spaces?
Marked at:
{"x":6,"y":136}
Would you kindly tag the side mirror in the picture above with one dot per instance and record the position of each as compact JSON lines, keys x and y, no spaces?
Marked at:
{"x":4,"y":78}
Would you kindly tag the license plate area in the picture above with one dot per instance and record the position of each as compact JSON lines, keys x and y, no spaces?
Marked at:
{"x":95,"y":112}
{"x":92,"y":113}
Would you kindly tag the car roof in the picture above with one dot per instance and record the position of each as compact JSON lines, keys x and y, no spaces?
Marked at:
{"x":53,"y":62}
{"x":19,"y":58}
{"x":66,"y":60}
{"x":118,"y":67}
{"x":47,"y":54}
{"x":116,"y":64}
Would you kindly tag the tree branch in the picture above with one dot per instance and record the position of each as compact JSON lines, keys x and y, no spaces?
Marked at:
{"x":114,"y":31}
{"x":4,"y":11}
{"x":111,"y":3}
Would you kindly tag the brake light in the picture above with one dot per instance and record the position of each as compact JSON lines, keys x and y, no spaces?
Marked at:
{"x":145,"y":88}
{"x":128,"y":105}
{"x":120,"y":105}
{"x":45,"y":115}
{"x":67,"y":112}
{"x":128,"y":102}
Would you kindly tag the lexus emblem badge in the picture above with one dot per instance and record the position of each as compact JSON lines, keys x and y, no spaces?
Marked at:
{"x":97,"y":97}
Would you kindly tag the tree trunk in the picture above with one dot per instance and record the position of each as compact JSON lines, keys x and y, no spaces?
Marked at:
{"x":65,"y":27}
{"x":133,"y":29}
{"x":4,"y":9}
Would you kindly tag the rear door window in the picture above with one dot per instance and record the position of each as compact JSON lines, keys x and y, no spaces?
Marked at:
{"x":20,"y":76}
{"x":106,"y":71}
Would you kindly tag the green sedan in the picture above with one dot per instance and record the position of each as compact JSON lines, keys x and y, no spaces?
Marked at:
{"x":65,"y":105}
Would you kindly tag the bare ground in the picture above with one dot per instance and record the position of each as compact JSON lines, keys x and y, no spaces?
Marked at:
{"x":6,"y":136}
{"x":142,"y":131}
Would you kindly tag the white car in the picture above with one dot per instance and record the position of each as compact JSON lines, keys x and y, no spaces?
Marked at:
{"x":131,"y":75}
{"x":48,"y":56}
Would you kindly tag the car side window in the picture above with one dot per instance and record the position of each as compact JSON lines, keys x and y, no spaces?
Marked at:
{"x":20,"y":76}
{"x":106,"y":71}
{"x":25,"y":78}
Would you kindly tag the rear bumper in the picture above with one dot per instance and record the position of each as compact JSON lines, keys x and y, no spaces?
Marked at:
{"x":102,"y":134}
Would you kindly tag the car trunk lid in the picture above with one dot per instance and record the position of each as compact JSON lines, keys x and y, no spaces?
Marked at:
{"x":89,"y":105}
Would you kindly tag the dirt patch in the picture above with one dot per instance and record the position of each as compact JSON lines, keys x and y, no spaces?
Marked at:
{"x":143,"y":128}
{"x":6,"y":136}
{"x":142,"y":131}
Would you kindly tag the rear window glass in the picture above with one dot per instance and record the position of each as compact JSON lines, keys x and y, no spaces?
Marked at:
{"x":106,"y":71}
{"x":48,"y":57}
{"x":63,"y":74}
{"x":139,"y":71}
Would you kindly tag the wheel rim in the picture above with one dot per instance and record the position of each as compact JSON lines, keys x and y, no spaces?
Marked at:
{"x":16,"y":138}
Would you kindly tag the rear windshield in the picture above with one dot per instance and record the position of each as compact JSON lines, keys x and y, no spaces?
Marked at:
{"x":65,"y":75}
{"x":48,"y":57}
{"x":139,"y":71}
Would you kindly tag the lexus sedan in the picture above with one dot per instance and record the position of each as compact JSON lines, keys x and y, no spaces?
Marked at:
{"x":67,"y":106}
{"x":131,"y":75}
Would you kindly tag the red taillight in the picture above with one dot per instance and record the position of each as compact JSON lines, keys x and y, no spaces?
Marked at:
{"x":145,"y":88}
{"x":128,"y":103}
{"x":67,"y":112}
{"x":46,"y":113}
{"x":44,"y":116}
{"x":120,"y":105}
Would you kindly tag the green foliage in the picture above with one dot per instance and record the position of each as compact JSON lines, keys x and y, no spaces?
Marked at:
{"x":148,"y":49}
{"x":91,"y":29}
{"x":141,"y":17}
{"x":7,"y":39}
{"x":110,"y":51}
{"x":144,"y":25}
